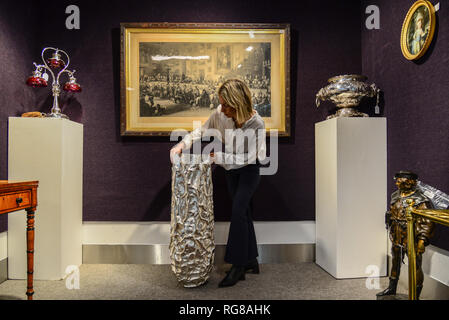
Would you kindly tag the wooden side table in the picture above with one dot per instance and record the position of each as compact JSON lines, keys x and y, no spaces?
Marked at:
{"x":22,"y":195}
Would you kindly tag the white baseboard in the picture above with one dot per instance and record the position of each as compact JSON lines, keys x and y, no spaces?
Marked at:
{"x":436,"y":264}
{"x":3,"y":256}
{"x":3,"y":245}
{"x":158,"y":233}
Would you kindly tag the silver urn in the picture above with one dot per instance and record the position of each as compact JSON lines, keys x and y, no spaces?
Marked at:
{"x":346,"y":92}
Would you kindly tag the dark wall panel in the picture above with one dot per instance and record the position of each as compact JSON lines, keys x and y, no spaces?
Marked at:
{"x":415,"y":98}
{"x":129,"y":179}
{"x":16,"y":65}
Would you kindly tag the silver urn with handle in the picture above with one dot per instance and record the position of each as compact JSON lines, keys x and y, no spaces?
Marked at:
{"x":346,"y":92}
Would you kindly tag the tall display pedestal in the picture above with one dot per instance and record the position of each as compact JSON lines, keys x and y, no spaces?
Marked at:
{"x":351,"y":196}
{"x":51,"y":151}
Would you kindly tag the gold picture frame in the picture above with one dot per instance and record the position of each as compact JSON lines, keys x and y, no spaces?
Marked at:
{"x":418,"y":30}
{"x":170,"y":73}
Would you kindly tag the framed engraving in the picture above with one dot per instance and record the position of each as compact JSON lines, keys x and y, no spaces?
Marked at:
{"x":170,"y":73}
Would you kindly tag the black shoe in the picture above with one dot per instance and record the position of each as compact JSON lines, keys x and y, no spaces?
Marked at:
{"x":390,"y":291}
{"x":233,"y":276}
{"x":252,"y":266}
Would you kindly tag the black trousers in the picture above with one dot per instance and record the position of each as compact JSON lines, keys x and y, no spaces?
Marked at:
{"x":242,"y":245}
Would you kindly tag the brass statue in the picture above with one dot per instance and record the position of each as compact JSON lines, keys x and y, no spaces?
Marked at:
{"x":396,"y":222}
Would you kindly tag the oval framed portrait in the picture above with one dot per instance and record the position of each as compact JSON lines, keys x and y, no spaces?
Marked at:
{"x":418,"y":30}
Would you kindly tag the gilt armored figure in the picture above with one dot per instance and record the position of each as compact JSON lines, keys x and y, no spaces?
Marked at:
{"x":396,"y":222}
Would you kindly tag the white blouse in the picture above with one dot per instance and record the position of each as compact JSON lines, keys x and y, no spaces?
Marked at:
{"x":242,"y":145}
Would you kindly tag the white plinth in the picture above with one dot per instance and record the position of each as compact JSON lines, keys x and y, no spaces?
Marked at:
{"x":351,"y":196}
{"x":51,"y":151}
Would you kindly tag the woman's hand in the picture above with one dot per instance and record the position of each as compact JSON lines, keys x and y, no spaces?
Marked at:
{"x":176,"y":150}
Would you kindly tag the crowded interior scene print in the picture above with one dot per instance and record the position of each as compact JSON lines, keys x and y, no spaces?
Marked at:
{"x":181,"y":79}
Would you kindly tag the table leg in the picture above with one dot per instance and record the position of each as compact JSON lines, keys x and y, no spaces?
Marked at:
{"x":30,"y":252}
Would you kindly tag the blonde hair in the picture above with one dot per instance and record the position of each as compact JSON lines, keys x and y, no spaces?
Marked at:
{"x":236,"y":94}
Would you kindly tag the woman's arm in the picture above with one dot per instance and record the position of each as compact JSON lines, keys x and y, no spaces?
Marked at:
{"x":195,"y":135}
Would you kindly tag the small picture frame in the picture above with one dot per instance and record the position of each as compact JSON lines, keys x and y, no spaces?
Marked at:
{"x":418,"y":30}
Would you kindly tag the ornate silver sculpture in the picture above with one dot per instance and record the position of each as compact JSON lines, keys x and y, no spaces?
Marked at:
{"x":346,"y":92}
{"x":192,"y":245}
{"x":54,"y":64}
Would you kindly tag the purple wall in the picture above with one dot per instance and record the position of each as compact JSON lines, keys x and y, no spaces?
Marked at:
{"x":415,"y":98}
{"x":129,"y":179}
{"x":15,"y":61}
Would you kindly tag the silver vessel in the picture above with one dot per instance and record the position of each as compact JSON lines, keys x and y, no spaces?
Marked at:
{"x":346,"y":92}
{"x":192,"y":245}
